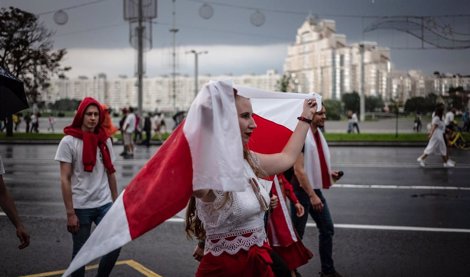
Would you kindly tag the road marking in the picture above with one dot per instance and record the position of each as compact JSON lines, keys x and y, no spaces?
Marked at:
{"x":375,"y":227}
{"x":398,"y":187}
{"x":131,"y":263}
{"x":397,"y":228}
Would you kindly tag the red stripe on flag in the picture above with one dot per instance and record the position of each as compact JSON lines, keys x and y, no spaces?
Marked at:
{"x":162,"y":187}
{"x":268,"y":137}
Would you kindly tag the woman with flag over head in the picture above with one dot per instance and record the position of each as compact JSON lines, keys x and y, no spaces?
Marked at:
{"x":230,"y":220}
{"x":207,"y":157}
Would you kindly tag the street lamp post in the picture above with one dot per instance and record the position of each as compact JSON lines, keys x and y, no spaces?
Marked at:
{"x":196,"y":55}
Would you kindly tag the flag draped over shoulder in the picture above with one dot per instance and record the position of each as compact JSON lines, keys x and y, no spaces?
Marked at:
{"x":204,"y":152}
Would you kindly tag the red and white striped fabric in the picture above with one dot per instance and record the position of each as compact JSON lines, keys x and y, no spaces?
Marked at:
{"x":204,"y":152}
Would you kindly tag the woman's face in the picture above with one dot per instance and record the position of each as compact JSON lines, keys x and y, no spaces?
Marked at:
{"x":245,"y":118}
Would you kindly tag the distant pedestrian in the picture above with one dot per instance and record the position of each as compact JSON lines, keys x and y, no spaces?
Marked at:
{"x":466,"y":121}
{"x":108,"y":125}
{"x":16,"y":121}
{"x":128,"y":131}
{"x":355,"y":122}
{"x":35,"y":123}
{"x":437,"y":143}
{"x":147,"y":129}
{"x":159,"y":125}
{"x":8,"y":207}
{"x":51,"y":120}
{"x":27,"y":120}
{"x":417,"y":124}
{"x":88,"y":179}
{"x":138,"y":129}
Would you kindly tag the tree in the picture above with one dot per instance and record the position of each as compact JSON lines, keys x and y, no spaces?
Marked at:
{"x":284,"y":84}
{"x":374,"y":103}
{"x":26,"y":50}
{"x":351,"y":101}
{"x":333,"y":108}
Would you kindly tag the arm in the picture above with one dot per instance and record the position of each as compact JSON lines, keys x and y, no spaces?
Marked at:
{"x":8,"y":206}
{"x":113,"y":185}
{"x":305,"y":184}
{"x":275,"y":163}
{"x":65,"y":181}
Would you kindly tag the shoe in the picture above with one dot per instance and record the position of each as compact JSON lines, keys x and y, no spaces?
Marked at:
{"x":334,"y":274}
{"x":447,"y":164}
{"x":451,"y":162}
{"x":421,"y":162}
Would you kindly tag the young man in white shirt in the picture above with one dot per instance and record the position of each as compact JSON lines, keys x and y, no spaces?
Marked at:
{"x":88,"y":181}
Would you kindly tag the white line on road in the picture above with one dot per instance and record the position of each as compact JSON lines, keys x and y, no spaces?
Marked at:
{"x":375,"y":227}
{"x":354,"y":186}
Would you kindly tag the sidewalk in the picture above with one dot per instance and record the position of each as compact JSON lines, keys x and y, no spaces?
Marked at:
{"x":390,"y":125}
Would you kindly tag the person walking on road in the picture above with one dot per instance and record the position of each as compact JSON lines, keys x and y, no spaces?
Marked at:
{"x":87,"y":176}
{"x":128,"y":131}
{"x":312,"y":173}
{"x":232,"y":223}
{"x":147,"y":129}
{"x":8,"y":206}
{"x":437,"y":143}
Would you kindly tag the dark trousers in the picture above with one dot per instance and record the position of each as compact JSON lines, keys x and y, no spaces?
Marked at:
{"x":324,"y":224}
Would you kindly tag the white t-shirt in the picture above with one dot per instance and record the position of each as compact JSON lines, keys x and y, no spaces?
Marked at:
{"x":2,"y":169}
{"x":449,"y":118}
{"x":89,"y":189}
{"x":131,"y":121}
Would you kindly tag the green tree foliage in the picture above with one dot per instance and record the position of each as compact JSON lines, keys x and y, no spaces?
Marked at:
{"x":374,"y":103}
{"x":421,"y":104}
{"x":458,"y":98}
{"x":333,"y":108}
{"x":415,"y":104}
{"x":65,"y":105}
{"x":26,"y":51}
{"x":351,"y":101}
{"x":284,"y":84}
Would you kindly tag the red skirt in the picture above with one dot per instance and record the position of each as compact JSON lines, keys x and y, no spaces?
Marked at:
{"x":256,"y":262}
{"x":295,"y":255}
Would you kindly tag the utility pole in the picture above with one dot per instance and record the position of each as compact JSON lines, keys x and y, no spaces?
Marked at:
{"x":140,"y":57}
{"x":174,"y":30}
{"x":196,"y":66}
{"x":362,"y":100}
{"x":140,"y":13}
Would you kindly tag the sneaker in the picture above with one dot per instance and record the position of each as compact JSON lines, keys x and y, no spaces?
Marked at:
{"x":421,"y":162}
{"x":451,"y":162}
{"x":447,"y":164}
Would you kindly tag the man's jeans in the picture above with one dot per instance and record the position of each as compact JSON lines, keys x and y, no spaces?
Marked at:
{"x":86,"y":217}
{"x":324,"y":224}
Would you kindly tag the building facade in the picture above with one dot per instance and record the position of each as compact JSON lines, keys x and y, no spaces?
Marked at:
{"x":321,"y":61}
{"x":159,"y":93}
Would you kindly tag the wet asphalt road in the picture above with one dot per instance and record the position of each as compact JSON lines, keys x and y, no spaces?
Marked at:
{"x":392,"y":217}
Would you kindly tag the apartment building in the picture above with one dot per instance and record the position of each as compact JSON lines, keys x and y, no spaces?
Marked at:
{"x":321,"y":61}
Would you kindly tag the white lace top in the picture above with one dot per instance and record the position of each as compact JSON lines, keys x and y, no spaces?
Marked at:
{"x":238,"y":224}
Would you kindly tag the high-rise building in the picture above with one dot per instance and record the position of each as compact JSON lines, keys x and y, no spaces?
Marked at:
{"x":321,"y":61}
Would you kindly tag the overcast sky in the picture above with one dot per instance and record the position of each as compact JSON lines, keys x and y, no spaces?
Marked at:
{"x":97,"y":37}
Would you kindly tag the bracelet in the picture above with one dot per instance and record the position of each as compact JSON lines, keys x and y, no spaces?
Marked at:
{"x":304,"y":119}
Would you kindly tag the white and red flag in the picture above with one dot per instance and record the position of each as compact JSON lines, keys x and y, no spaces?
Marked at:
{"x":204,"y":152}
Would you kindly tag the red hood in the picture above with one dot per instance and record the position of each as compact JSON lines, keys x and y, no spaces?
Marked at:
{"x":78,"y":119}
